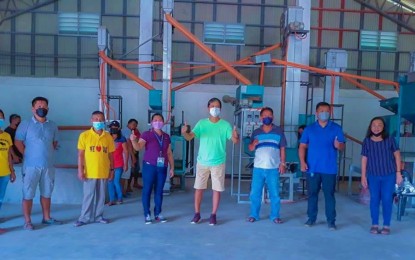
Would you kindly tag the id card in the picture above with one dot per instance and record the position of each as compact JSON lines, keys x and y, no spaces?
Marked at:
{"x":160,"y":161}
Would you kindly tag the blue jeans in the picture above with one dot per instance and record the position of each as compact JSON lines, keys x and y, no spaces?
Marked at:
{"x":381,"y":188}
{"x":4,"y":180}
{"x":153,"y":178}
{"x":114,"y":185}
{"x":314,"y":184}
{"x":272,"y":178}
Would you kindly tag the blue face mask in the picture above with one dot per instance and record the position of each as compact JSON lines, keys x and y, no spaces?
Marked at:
{"x":1,"y":123}
{"x":267,"y":120}
{"x":324,"y":116}
{"x":98,"y":125}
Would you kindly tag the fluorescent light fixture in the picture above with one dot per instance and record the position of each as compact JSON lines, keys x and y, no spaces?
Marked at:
{"x":378,"y":40}
{"x":220,"y":33}
{"x":79,"y":23}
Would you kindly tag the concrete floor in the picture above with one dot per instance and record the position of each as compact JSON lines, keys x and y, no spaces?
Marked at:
{"x":127,"y":237}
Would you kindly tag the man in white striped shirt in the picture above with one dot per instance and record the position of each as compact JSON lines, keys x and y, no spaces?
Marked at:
{"x":269,"y":144}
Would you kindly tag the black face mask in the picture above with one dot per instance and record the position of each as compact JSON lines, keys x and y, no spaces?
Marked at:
{"x":114,"y":131}
{"x":377,"y":135}
{"x":41,"y":112}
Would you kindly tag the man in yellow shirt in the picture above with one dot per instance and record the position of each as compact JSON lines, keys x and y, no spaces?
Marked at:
{"x":95,"y":167}
{"x":6,"y":164}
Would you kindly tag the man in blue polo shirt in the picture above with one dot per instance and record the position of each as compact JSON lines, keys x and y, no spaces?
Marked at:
{"x":36,"y":139}
{"x":321,"y":140}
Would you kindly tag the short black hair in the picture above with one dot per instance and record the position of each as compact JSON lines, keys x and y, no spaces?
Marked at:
{"x":322,"y":104}
{"x":39,"y":99}
{"x":213,"y":100}
{"x":13,"y":116}
{"x":266,"y":109}
{"x":384,"y":133}
{"x":157,"y":114}
{"x":132,"y":120}
{"x":97,"y":112}
{"x":1,"y":112}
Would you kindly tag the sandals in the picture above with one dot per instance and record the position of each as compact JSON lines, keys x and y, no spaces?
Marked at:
{"x":374,"y":230}
{"x":251,"y":219}
{"x":385,"y":231}
{"x":28,"y":226}
{"x":278,"y":221}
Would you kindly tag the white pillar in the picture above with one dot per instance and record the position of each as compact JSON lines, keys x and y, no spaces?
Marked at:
{"x":167,"y":42}
{"x":145,"y":51}
{"x":297,"y":52}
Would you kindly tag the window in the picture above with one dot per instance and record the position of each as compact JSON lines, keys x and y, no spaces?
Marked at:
{"x":378,"y":40}
{"x":219,"y":33}
{"x":79,"y":23}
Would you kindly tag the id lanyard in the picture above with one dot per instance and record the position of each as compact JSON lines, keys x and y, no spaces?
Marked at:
{"x":160,"y":141}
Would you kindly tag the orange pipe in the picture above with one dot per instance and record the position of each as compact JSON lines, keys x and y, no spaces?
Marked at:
{"x":261,"y":76}
{"x":208,"y":51}
{"x":335,"y":73}
{"x":361,"y":86}
{"x":220,"y":70}
{"x":353,"y":139}
{"x":198,"y":79}
{"x":125,"y":71}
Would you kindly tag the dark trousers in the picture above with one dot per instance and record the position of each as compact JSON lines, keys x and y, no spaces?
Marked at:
{"x":327,"y":182}
{"x":153,"y":178}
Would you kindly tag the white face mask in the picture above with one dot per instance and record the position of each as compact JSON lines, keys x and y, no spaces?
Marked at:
{"x":214,"y":111}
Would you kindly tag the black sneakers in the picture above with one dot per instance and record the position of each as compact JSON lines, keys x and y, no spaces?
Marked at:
{"x":196,"y":218}
{"x":309,"y":223}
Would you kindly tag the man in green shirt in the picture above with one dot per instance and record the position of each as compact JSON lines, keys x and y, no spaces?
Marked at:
{"x":213,"y":133}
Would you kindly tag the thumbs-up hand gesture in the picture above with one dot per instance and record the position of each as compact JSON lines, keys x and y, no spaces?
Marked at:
{"x":336,"y":143}
{"x":184,"y":128}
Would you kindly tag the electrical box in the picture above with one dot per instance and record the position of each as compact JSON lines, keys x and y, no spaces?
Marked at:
{"x":336,"y":59}
{"x":293,"y":14}
{"x":293,"y":20}
{"x":264,"y":58}
{"x":248,"y":121}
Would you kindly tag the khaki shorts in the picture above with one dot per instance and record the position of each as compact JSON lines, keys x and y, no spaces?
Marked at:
{"x":34,"y":176}
{"x":217,"y":174}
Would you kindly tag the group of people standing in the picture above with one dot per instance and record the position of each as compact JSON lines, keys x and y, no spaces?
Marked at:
{"x":103,"y":159}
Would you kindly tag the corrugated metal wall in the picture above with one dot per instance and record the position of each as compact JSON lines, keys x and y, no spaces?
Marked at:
{"x":31,"y":46}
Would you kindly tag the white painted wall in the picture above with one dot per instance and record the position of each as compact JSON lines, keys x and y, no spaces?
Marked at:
{"x":73,"y":100}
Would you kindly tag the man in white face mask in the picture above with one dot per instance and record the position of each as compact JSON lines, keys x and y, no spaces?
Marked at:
{"x":213,"y":133}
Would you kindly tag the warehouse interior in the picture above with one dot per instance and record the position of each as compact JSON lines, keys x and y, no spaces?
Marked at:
{"x":132,"y":58}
